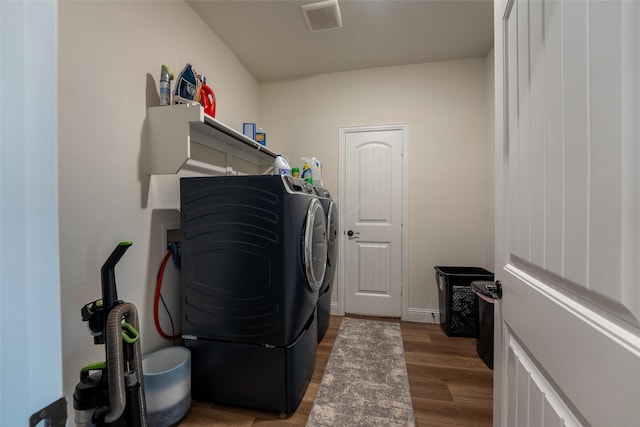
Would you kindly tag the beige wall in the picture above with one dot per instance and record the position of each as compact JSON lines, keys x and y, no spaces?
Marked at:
{"x":450,"y":167}
{"x":110,"y":55}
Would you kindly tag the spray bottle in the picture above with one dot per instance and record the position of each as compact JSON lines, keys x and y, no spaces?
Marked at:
{"x":165,"y":85}
{"x":316,"y":172}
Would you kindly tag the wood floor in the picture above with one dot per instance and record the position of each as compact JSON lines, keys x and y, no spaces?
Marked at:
{"x":450,"y":386}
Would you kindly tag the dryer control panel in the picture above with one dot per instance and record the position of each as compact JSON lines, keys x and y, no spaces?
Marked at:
{"x":323,"y":192}
{"x":297,"y":185}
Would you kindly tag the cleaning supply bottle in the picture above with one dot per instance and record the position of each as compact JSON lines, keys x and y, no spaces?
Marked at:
{"x":261,"y":136}
{"x":165,"y":85}
{"x":207,"y":97}
{"x":307,"y":174}
{"x":282,"y":166}
{"x":316,"y":172}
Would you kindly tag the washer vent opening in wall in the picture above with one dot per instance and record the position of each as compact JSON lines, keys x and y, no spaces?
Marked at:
{"x":322,"y":16}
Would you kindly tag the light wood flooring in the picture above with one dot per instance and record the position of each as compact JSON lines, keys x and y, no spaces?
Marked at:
{"x":450,"y":385}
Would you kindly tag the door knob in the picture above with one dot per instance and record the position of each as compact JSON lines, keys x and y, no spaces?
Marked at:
{"x":353,"y":234}
{"x":496,"y":287}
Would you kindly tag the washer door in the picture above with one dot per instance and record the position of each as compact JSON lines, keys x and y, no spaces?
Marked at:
{"x":315,"y":245}
{"x":332,"y":234}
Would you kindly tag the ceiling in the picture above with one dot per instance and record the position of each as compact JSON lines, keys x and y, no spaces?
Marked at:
{"x":271,"y":39}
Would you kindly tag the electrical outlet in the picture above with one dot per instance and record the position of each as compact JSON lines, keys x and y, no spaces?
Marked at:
{"x":170,"y":233}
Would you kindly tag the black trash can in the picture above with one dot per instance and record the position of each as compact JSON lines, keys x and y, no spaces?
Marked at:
{"x":458,"y":305}
{"x":487,"y":295}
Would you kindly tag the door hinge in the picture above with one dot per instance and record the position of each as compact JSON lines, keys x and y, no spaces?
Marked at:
{"x":54,"y":415}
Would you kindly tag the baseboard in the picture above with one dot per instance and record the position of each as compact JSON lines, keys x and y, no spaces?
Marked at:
{"x":334,"y":309}
{"x":423,"y":315}
{"x":420,"y":315}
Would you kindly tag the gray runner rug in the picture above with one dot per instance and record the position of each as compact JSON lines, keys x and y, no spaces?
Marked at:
{"x":365,"y":382}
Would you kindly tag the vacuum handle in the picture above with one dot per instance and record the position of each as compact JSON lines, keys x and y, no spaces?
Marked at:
{"x":109,"y":291}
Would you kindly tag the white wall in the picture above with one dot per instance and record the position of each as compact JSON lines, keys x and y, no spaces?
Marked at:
{"x":450,"y":166}
{"x":110,"y":54}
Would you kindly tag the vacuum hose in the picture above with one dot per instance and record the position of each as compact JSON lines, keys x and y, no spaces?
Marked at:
{"x":115,"y":362}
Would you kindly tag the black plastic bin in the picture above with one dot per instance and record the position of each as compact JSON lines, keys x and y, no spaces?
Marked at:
{"x":487,"y":296}
{"x":457,"y":303}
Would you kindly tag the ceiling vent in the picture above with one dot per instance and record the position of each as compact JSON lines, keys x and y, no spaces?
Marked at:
{"x":322,"y":16}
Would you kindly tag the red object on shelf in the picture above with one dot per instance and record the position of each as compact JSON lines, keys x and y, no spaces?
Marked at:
{"x":208,"y":100}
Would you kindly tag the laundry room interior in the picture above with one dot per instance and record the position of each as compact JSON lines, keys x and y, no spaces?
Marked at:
{"x":109,"y":60}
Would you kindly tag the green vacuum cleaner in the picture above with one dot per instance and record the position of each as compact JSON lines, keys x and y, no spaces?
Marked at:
{"x":111,"y":393}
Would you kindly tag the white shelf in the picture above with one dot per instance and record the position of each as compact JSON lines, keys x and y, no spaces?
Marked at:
{"x":173,"y":129}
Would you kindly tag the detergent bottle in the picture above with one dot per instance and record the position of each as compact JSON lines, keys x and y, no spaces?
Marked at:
{"x":207,"y":98}
{"x":307,"y":174}
{"x":281,"y":166}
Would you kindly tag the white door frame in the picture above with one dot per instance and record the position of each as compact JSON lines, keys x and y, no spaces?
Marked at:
{"x":30,"y":318}
{"x":404,"y":127}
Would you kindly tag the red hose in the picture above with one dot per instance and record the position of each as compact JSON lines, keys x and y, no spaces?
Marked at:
{"x":156,"y":299}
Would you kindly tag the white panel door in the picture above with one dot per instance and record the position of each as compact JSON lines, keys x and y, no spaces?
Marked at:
{"x":567,"y":332}
{"x":373,"y":220}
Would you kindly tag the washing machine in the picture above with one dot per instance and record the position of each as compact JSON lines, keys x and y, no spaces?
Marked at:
{"x":254,"y":252}
{"x":324,"y":297}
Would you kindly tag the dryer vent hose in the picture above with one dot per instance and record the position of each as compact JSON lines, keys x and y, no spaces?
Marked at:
{"x":115,"y":362}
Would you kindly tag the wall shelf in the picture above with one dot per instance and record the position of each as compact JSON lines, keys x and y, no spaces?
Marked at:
{"x":174,"y":129}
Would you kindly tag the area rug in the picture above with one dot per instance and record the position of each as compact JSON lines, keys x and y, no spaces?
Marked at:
{"x":365,"y":381}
